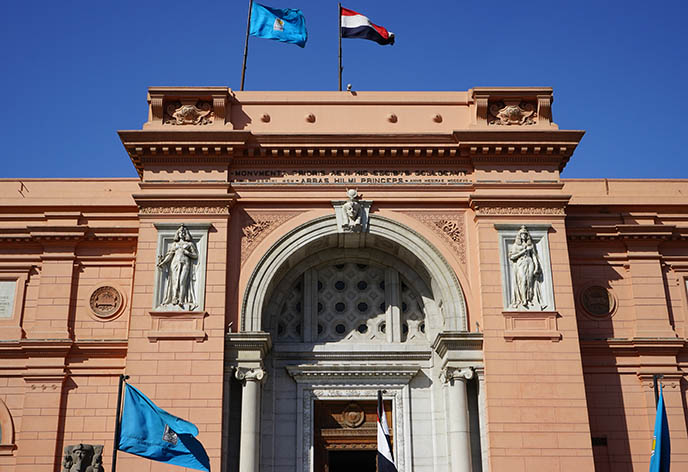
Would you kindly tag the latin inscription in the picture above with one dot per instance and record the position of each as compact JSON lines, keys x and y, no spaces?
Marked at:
{"x":349,"y":176}
{"x":7,"y":291}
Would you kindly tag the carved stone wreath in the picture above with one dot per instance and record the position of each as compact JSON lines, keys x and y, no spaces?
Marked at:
{"x":177,"y":113}
{"x":512,"y":112}
{"x":105,"y":301}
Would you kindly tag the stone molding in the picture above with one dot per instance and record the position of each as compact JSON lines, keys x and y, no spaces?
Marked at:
{"x":184,"y":210}
{"x":188,"y":106}
{"x":512,"y":205}
{"x":326,"y":373}
{"x":177,"y":325}
{"x":448,"y":341}
{"x":246,"y":349}
{"x":531,"y":325}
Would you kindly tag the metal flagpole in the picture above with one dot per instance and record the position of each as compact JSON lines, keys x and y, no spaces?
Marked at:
{"x":656,"y":377}
{"x":118,"y":416}
{"x":248,"y":30}
{"x":339,"y":28}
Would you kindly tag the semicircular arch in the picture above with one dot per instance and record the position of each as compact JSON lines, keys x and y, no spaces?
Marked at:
{"x":389,"y":235}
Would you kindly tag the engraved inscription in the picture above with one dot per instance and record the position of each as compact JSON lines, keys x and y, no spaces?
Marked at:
{"x":7,"y":291}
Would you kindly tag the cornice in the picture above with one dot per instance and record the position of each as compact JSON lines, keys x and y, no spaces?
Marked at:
{"x":361,"y":372}
{"x":635,"y":346}
{"x":457,"y":340}
{"x":627,"y":232}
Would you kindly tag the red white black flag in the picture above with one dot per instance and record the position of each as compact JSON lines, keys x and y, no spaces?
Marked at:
{"x":385,"y":459}
{"x":355,"y":25}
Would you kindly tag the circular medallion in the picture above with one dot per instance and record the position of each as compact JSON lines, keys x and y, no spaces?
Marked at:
{"x":598,"y":301}
{"x":105,"y":301}
{"x":353,"y":416}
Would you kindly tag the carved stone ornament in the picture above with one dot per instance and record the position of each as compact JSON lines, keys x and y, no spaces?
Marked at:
{"x":450,"y":374}
{"x":83,"y":458}
{"x":512,"y":112}
{"x":526,"y":268}
{"x":450,"y":227}
{"x":179,"y":264}
{"x":352,"y":211}
{"x":105,"y":301}
{"x":597,"y":301}
{"x":244,"y":374}
{"x":353,"y":415}
{"x":527,"y":272}
{"x":186,"y":114}
{"x":352,"y":214}
{"x":260,"y":226}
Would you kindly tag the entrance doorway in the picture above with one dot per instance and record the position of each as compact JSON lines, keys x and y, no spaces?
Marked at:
{"x":347,"y":461}
{"x":345,"y":435}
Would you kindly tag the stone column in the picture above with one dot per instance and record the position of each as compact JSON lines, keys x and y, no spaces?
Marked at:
{"x":458,"y":427}
{"x":249,"y":442}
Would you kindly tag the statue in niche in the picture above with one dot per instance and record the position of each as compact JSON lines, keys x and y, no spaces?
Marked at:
{"x":83,"y":458}
{"x":352,"y":212}
{"x":527,"y":272}
{"x":179,"y":261}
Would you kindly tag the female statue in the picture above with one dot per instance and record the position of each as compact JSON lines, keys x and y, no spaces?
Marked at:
{"x":179,"y":261}
{"x":527,"y":271}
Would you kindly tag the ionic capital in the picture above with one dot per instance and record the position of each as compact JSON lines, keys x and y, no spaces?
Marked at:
{"x":244,"y":374}
{"x":449,"y":374}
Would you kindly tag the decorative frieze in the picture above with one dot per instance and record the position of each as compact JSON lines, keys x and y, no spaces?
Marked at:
{"x":519,"y":210}
{"x":184,"y":210}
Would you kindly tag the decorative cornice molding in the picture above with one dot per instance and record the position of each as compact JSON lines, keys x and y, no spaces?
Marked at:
{"x":311,"y":373}
{"x":457,"y":341}
{"x":184,"y":210}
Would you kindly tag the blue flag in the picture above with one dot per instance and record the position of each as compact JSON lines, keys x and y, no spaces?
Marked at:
{"x":661,"y":448}
{"x":151,"y":432}
{"x":287,"y":25}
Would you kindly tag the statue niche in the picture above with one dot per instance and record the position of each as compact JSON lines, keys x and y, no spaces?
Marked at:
{"x":178,"y":265}
{"x":83,"y":458}
{"x":527,"y":272}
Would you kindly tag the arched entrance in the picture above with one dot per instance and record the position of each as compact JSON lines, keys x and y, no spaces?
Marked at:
{"x":349,"y":314}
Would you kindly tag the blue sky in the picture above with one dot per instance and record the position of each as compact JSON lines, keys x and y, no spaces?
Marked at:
{"x":75,"y":72}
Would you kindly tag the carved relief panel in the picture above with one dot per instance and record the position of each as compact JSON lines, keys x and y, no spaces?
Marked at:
{"x":181,"y":265}
{"x":526,"y":268}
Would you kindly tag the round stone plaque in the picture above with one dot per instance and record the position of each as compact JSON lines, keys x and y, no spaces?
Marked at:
{"x":353,"y":415}
{"x":597,"y":301}
{"x":105,"y":301}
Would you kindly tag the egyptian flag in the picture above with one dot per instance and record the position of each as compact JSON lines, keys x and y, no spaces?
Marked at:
{"x":355,"y":25}
{"x":385,"y":459}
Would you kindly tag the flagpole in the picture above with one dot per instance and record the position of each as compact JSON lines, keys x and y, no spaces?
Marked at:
{"x":248,"y":30}
{"x":339,"y":28}
{"x":118,"y":416}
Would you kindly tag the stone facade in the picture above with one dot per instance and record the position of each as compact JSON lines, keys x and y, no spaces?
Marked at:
{"x":266,"y":263}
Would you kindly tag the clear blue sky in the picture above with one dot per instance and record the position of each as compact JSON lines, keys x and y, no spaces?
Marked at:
{"x":75,"y":71}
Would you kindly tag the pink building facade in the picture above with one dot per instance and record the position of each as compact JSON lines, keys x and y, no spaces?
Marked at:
{"x":285,"y":255}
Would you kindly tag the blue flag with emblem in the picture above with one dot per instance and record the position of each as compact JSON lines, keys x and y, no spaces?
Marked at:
{"x":287,"y":25}
{"x":661,"y":448}
{"x":148,"y":431}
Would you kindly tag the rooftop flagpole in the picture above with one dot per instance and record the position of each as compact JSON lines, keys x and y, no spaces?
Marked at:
{"x":118,"y":417}
{"x":339,"y":28}
{"x":248,"y":30}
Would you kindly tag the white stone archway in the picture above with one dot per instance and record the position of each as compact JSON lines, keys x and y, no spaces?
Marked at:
{"x":392,"y":237}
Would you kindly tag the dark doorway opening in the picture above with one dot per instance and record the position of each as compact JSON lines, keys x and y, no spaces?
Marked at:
{"x":347,"y":461}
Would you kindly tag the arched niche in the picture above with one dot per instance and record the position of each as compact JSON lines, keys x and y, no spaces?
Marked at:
{"x":6,"y":430}
{"x":399,"y":243}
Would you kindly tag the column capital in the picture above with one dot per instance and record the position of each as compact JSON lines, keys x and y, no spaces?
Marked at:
{"x":449,"y":374}
{"x":245,"y":374}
